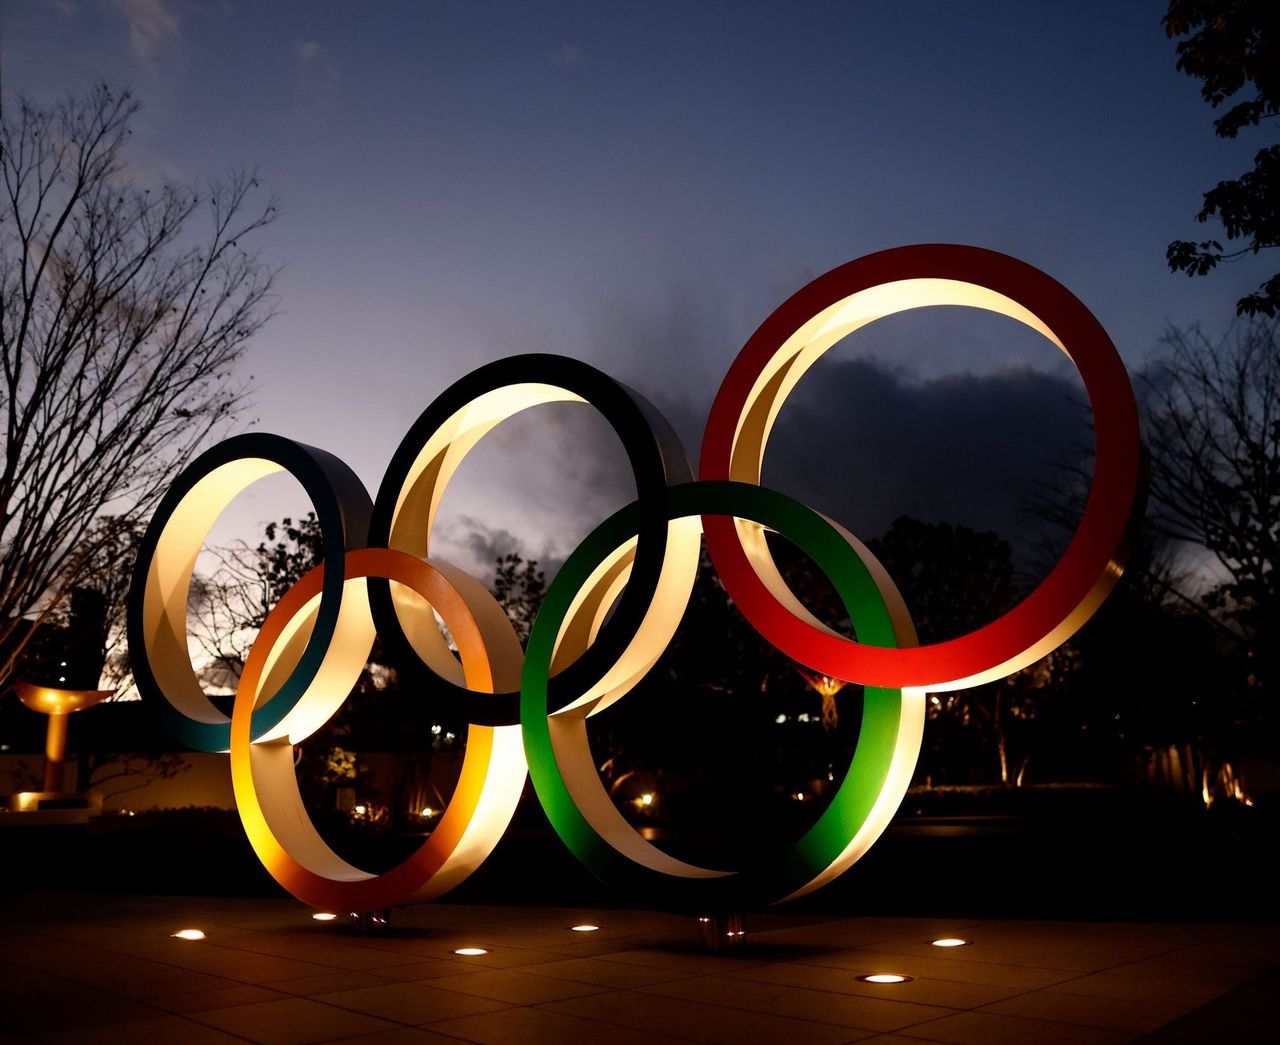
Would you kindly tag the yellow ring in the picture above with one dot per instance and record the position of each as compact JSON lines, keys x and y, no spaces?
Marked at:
{"x":262,"y":774}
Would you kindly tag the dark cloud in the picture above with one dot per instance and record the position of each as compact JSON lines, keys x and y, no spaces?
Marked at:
{"x":857,"y":440}
{"x":865,"y":444}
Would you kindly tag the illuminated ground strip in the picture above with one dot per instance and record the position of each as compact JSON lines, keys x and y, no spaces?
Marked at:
{"x":614,"y":606}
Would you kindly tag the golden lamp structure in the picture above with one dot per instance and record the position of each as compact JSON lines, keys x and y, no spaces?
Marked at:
{"x":59,"y":705}
{"x":615,"y":603}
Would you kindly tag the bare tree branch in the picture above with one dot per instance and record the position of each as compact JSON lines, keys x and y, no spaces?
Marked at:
{"x":121,"y":323}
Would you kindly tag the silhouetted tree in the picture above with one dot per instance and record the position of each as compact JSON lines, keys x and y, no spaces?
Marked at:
{"x":1234,"y":46}
{"x":1214,"y":427}
{"x":1183,"y":656}
{"x":519,"y":586}
{"x":954,"y":580}
{"x":120,"y":327}
{"x":229,"y":605}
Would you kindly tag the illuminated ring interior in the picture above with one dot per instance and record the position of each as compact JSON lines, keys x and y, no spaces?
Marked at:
{"x":564,"y":774}
{"x":266,"y":788}
{"x":158,"y":593}
{"x":410,"y":494}
{"x":834,"y":306}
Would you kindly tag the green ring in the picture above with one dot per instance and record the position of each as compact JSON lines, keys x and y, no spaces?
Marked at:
{"x":774,"y":876}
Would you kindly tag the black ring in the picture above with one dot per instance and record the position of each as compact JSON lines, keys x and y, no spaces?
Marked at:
{"x":657,"y":461}
{"x":342,"y":506}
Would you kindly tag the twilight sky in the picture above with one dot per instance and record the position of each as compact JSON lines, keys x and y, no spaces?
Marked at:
{"x":639,"y":185}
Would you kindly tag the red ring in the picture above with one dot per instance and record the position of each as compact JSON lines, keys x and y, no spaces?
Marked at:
{"x":1079,"y":581}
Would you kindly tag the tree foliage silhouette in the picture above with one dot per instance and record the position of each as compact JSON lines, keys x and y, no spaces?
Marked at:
{"x":1233,"y":46}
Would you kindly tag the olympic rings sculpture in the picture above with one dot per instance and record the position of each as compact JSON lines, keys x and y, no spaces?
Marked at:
{"x":615,"y":604}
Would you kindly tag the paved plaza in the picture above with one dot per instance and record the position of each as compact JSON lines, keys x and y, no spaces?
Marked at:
{"x":94,"y":968}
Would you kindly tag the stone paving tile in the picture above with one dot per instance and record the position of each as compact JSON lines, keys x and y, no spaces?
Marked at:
{"x":683,"y":959}
{"x":870,"y":1014}
{"x":121,"y":974}
{"x":1111,"y":1013}
{"x":590,"y":948}
{"x":603,"y":973}
{"x":540,"y":1027}
{"x":269,"y":974}
{"x":162,"y":1029}
{"x":844,"y":933}
{"x":241,"y":966}
{"x":197,"y":1001}
{"x":417,"y":970}
{"x":1131,"y":988}
{"x":1180,"y":967}
{"x":1234,"y":952}
{"x":409,"y":948}
{"x":325,"y":982}
{"x":410,"y":1002}
{"x":500,"y":957}
{"x":889,"y":1039}
{"x":986,"y":1028}
{"x":1026,"y":977}
{"x":293,"y":1021}
{"x":33,"y":1001}
{"x":515,"y":987}
{"x":1069,"y":946}
{"x":402,"y":1036}
{"x":306,"y":948}
{"x":701,"y":1021}
{"x":928,"y":990}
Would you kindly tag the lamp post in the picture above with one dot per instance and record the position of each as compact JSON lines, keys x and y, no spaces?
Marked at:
{"x":57,"y":704}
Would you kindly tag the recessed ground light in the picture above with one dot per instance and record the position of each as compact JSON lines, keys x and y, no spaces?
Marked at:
{"x":470,"y":952}
{"x":584,"y":928}
{"x":950,"y":941}
{"x":188,"y":934}
{"x":324,"y":916}
{"x":885,"y":977}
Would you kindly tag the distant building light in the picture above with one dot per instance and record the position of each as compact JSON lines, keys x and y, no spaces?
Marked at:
{"x":803,"y":717}
{"x":646,"y":799}
{"x":780,"y":719}
{"x":360,"y":810}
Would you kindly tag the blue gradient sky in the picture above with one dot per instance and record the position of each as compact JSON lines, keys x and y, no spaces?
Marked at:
{"x":640,"y":185}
